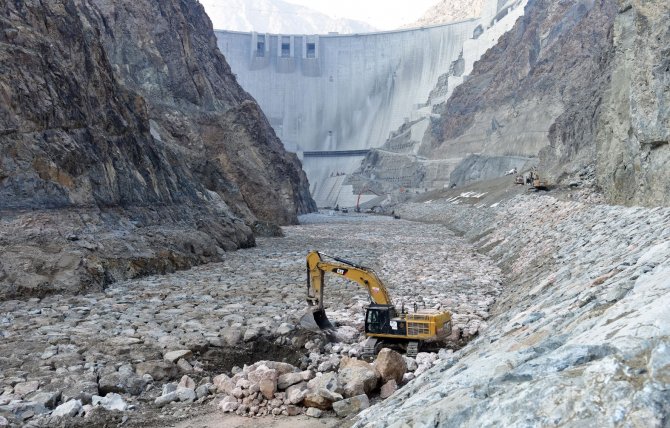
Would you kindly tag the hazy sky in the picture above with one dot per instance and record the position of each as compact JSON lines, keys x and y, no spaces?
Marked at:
{"x":382,"y":14}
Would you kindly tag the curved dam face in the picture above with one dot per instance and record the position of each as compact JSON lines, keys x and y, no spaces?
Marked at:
{"x":331,"y":97}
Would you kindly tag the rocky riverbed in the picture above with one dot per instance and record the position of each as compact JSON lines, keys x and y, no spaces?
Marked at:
{"x":146,"y":350}
{"x":565,"y":300}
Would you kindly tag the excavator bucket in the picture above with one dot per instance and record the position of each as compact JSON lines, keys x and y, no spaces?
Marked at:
{"x":316,"y":320}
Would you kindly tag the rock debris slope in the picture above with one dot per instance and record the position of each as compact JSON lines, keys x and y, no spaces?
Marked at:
{"x":88,"y":194}
{"x":579,"y":335}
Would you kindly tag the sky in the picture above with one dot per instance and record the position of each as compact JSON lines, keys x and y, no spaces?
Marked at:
{"x":382,"y":14}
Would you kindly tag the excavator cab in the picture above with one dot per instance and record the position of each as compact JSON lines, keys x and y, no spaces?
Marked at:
{"x":382,"y":319}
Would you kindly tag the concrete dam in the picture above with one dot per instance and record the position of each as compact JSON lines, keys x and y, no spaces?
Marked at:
{"x":331,"y":98}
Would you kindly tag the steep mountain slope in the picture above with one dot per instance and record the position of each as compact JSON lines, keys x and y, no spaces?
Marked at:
{"x":277,"y":16}
{"x":87,"y":194}
{"x":519,"y":87}
{"x":581,"y":84}
{"x":450,"y":11}
{"x":620,"y":125}
{"x":197,"y":107}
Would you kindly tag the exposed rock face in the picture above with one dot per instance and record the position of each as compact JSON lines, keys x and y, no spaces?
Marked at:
{"x":581,"y":84}
{"x":616,"y":131}
{"x":632,"y":138}
{"x":167,"y":52}
{"x":519,"y":87}
{"x":88,"y":195}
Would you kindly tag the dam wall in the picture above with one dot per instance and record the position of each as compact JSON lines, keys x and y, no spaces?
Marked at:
{"x":329,"y":96}
{"x":329,"y":93}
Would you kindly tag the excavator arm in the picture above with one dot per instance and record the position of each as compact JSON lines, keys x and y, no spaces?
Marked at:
{"x":317,"y":267}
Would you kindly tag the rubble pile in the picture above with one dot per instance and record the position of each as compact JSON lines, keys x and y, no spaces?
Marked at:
{"x":346,"y":386}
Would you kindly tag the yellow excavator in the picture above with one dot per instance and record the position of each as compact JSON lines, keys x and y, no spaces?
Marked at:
{"x":385,"y":326}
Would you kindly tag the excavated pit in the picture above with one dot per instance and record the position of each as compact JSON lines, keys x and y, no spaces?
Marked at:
{"x":223,"y":360}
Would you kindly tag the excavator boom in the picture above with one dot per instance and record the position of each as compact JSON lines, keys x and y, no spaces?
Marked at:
{"x":365,"y":277}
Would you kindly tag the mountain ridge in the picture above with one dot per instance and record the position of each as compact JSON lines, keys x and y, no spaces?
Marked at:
{"x":277,"y":16}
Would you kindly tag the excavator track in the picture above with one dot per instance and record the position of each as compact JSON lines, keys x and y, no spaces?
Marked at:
{"x":369,"y":347}
{"x":412,"y":349}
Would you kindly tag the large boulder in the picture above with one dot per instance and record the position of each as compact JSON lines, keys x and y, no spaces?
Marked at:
{"x":158,"y":370}
{"x":296,"y":393}
{"x":357,"y":377}
{"x":223,"y":384}
{"x":322,"y":391}
{"x":351,"y":406}
{"x":390,"y":365}
{"x":122,"y":382}
{"x":288,"y":379}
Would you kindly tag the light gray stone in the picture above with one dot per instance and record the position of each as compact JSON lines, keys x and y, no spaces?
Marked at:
{"x":69,"y":409}
{"x":186,"y":394}
{"x":351,"y":405}
{"x":184,"y":365}
{"x":203,"y":390}
{"x":285,"y":328}
{"x":24,"y":388}
{"x":288,"y":379}
{"x":47,"y":398}
{"x":174,"y":356}
{"x":111,"y":401}
{"x":313,"y":412}
{"x":166,"y":398}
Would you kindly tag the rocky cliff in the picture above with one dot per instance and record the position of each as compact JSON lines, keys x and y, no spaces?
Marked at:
{"x":519,"y":87}
{"x":88,"y":195}
{"x":633,"y":138}
{"x":167,"y":53}
{"x":619,"y":126}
